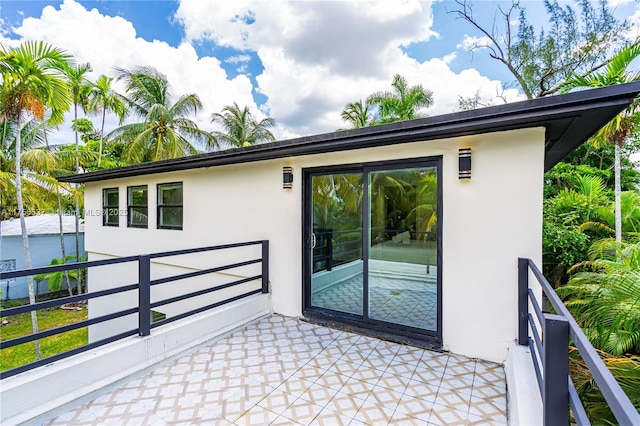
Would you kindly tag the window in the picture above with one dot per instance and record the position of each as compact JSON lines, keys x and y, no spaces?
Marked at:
{"x":110,"y":207}
{"x":137,"y":211}
{"x":170,"y":205}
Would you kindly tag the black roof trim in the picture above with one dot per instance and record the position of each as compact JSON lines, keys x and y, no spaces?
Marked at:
{"x":569,"y":120}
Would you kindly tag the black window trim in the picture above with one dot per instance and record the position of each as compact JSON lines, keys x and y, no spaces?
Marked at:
{"x":129,"y":206}
{"x":105,"y":207}
{"x":159,"y":206}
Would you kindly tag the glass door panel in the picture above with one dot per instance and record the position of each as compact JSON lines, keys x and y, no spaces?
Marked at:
{"x":336,"y":242}
{"x":402,"y":247}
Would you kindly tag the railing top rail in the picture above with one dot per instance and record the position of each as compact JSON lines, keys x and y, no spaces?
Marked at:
{"x":201,"y":249}
{"x":66,"y":267}
{"x":618,"y":401}
{"x":87,"y":264}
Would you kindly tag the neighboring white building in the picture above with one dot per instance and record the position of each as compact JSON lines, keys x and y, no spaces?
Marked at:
{"x":44,"y":243}
{"x":382,"y":229}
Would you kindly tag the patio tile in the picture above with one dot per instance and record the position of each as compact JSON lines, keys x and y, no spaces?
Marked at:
{"x":453,"y":399}
{"x":277,"y":401}
{"x":493,"y":409}
{"x":302,"y":411}
{"x":294,"y":386}
{"x":280,"y":370}
{"x":318,"y":394}
{"x":414,"y":407}
{"x":332,"y":380}
{"x":373,"y":412}
{"x":345,"y":404}
{"x":358,"y":388}
{"x":422,"y":390}
{"x":330,"y":418}
{"x":367,"y":373}
{"x":393,"y":382}
{"x":446,"y":416}
{"x":256,"y":416}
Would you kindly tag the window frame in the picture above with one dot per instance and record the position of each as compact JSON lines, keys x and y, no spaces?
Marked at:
{"x":107,"y":207}
{"x":130,"y":206}
{"x":159,"y":206}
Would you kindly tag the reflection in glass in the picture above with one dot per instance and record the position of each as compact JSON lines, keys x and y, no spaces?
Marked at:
{"x":402,"y":261}
{"x":337,"y":266}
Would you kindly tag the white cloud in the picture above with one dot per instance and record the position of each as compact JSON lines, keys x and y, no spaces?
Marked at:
{"x":108,"y":42}
{"x":236,"y":59}
{"x":471,"y":43}
{"x":616,"y":3}
{"x":317,"y":56}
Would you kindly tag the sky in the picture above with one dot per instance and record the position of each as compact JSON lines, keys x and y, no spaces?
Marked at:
{"x":300,"y":62}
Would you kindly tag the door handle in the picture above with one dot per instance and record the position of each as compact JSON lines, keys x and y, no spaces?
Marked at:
{"x":313,"y":240}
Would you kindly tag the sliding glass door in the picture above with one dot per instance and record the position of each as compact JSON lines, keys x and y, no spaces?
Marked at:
{"x":372,"y":245}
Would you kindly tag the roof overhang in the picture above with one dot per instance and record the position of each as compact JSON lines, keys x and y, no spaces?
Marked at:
{"x":569,"y":120}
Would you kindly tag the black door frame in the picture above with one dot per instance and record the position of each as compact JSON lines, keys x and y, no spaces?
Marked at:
{"x":363,"y":321}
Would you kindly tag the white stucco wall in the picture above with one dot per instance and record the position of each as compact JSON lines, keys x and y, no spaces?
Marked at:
{"x":488,"y":222}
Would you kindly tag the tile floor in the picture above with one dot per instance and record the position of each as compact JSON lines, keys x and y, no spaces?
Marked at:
{"x":280,"y":370}
{"x":408,"y":302}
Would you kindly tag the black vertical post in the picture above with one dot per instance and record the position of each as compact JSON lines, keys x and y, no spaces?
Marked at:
{"x":523,"y":301}
{"x":144,"y":295}
{"x":555,"y":395}
{"x":265,"y":266}
{"x":329,"y":238}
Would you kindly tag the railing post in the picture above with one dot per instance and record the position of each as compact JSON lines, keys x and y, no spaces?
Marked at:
{"x":265,"y":266}
{"x":329,"y":252}
{"x":523,"y":301}
{"x":144,"y":295}
{"x":555,"y":395}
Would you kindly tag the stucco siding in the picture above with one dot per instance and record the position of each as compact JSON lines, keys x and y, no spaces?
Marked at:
{"x":487,"y":222}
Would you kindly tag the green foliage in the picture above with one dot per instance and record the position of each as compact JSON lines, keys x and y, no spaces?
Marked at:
{"x":605,"y":297}
{"x":56,"y":279}
{"x":626,"y":371}
{"x":240,"y":128}
{"x":577,"y":202}
{"x":562,"y":247}
{"x":574,"y":43}
{"x":357,"y":114}
{"x":20,"y":325}
{"x":402,"y":103}
{"x":165,"y":131}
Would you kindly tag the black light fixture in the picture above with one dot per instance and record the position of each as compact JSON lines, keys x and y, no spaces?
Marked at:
{"x":287,"y":177}
{"x":464,"y":163}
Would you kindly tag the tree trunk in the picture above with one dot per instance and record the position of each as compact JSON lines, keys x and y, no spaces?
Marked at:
{"x":618,"y":193}
{"x":104,"y":113}
{"x":25,"y":238}
{"x":78,"y":279}
{"x":62,"y":247}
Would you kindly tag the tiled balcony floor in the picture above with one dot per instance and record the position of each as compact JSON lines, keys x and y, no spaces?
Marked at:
{"x":280,"y":370}
{"x":407,"y":302}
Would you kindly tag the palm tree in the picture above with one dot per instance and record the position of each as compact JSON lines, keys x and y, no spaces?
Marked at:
{"x":104,"y":98}
{"x":605,"y":298}
{"x":240,"y":128}
{"x":402,"y":103}
{"x":165,"y":132}
{"x":622,"y":126}
{"x":79,"y":87}
{"x":357,"y":114}
{"x":32,"y":81}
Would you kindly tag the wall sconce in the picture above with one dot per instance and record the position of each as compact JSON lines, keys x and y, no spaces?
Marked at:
{"x":287,"y":177}
{"x":464,"y":163}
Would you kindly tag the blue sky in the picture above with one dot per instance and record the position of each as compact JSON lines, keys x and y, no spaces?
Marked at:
{"x":299,"y":62}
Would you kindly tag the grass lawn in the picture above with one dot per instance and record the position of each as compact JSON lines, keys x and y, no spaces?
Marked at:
{"x":20,"y":325}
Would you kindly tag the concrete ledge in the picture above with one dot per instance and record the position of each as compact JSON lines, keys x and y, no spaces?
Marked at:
{"x":524,"y":402}
{"x":32,"y":394}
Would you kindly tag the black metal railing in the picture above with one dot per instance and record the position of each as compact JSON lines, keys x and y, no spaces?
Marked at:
{"x":550,"y":356}
{"x":334,"y":248}
{"x":143,"y":286}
